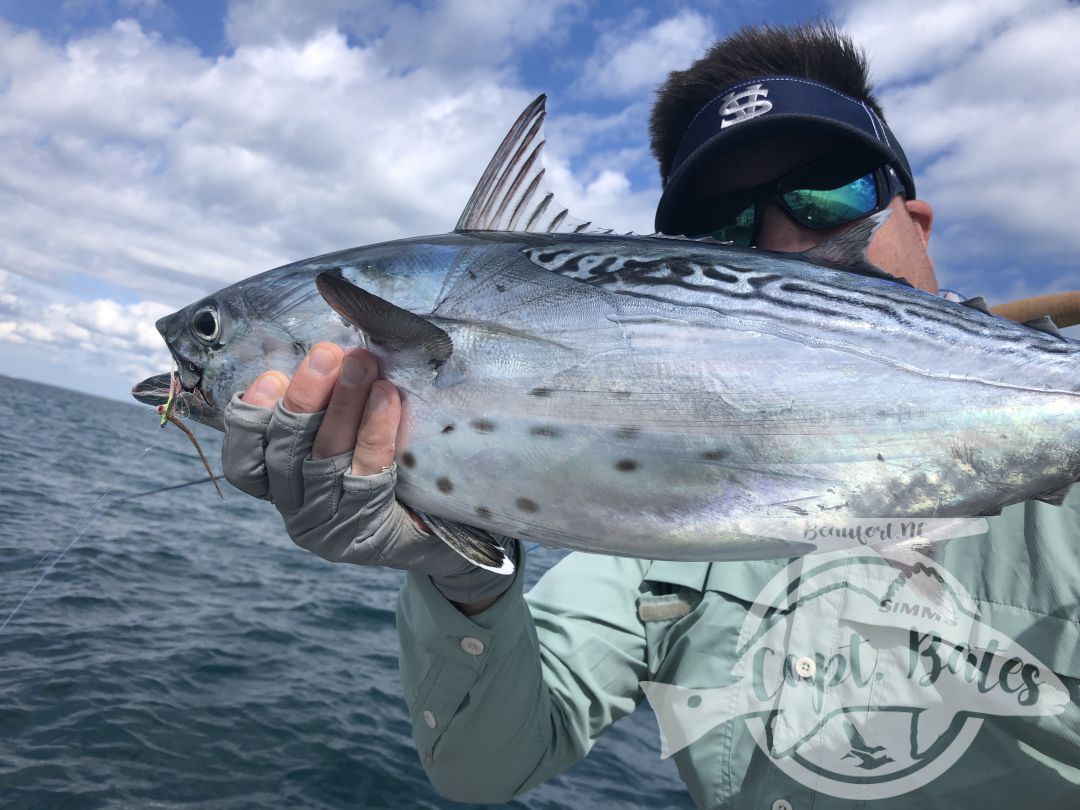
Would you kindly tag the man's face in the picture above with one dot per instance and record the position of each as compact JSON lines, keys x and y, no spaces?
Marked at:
{"x":898,"y":247}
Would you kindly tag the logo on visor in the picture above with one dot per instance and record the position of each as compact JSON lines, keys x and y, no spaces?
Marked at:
{"x":742,"y":105}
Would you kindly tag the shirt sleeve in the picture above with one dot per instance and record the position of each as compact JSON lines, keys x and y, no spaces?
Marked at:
{"x":504,"y":700}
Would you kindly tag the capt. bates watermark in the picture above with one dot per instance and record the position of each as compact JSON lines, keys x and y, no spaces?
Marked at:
{"x":863,"y":674}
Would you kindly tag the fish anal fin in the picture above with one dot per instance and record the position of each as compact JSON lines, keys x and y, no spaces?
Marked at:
{"x":387,"y":326}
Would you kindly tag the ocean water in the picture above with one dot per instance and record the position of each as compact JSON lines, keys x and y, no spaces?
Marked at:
{"x":183,"y":653}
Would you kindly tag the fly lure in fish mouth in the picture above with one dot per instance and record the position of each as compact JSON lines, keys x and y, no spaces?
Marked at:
{"x":166,"y":416}
{"x":653,"y":396}
{"x":170,"y":403}
{"x":167,"y":393}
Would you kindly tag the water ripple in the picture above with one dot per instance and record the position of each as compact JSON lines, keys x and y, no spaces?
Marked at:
{"x":184,"y":654}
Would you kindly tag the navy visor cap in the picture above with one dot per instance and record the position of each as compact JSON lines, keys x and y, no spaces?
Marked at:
{"x":768,"y":107}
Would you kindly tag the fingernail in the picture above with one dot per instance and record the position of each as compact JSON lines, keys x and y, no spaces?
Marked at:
{"x":321,"y":361}
{"x":379,"y":399}
{"x":353,"y":371}
{"x":269,"y":386}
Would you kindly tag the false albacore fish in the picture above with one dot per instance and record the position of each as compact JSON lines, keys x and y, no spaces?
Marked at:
{"x":646,"y":396}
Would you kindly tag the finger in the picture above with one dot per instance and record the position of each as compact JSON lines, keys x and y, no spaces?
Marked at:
{"x":377,"y":437}
{"x":337,"y":434}
{"x":313,"y":382}
{"x":242,"y":457}
{"x":267,"y":389}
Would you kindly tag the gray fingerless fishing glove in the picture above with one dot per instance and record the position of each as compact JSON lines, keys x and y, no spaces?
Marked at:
{"x":340,"y":516}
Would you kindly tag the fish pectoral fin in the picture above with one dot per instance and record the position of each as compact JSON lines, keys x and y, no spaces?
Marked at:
{"x":387,"y":326}
{"x":478,"y":546}
{"x":511,"y":194}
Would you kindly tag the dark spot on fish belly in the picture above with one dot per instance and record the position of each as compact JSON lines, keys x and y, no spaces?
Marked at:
{"x":546,"y":431}
{"x":714,"y":455}
{"x":484,"y":512}
{"x":627,"y":432}
{"x":408,"y":459}
{"x":525,"y":505}
{"x":500,"y":287}
{"x":880,"y":457}
{"x":483,"y":425}
{"x":448,"y":429}
{"x":444,"y":484}
{"x":540,"y":392}
{"x":621,"y":394}
{"x":626,"y":465}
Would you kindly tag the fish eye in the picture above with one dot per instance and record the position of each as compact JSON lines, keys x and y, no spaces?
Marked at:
{"x":205,"y":324}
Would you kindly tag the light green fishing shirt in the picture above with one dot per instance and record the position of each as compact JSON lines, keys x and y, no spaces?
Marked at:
{"x":506,"y":699}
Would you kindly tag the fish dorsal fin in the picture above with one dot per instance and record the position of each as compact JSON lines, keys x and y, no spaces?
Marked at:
{"x":512,"y":194}
{"x":1044,"y":324}
{"x":847,"y":250}
{"x":387,"y":327}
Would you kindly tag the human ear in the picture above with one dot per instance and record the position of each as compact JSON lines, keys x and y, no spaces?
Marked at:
{"x":922,"y":215}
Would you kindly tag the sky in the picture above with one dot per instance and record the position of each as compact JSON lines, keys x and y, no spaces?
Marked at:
{"x":152,"y":152}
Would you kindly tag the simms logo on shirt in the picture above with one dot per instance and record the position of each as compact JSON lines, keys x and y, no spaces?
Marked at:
{"x":742,"y":105}
{"x":863,"y":675}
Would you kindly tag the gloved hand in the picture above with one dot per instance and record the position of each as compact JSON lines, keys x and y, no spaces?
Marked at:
{"x":320,"y":447}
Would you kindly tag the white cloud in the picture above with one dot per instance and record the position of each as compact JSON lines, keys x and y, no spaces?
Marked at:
{"x":984,"y":98}
{"x":143,"y":163}
{"x":136,"y":161}
{"x":629,"y":61}
{"x":935,"y":35}
{"x":446,"y":35}
{"x":117,"y":339}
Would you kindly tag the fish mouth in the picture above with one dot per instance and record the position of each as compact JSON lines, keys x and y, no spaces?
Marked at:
{"x":156,"y":390}
{"x":189,"y":373}
{"x":153,"y":390}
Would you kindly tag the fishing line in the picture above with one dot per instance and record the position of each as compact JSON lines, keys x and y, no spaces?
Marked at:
{"x":84,"y":516}
{"x":203,"y":480}
{"x":89,"y":518}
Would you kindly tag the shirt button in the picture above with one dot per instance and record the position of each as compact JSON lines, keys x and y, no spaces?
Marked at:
{"x":473,"y":646}
{"x":781,"y":804}
{"x":805,"y":668}
{"x":429,"y":718}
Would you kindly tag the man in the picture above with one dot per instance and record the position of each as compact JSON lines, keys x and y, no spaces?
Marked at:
{"x":773,"y":140}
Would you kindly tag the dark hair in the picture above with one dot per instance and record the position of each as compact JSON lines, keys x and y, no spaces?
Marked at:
{"x":816,"y":50}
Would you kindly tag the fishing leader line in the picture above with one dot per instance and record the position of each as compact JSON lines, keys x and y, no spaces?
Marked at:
{"x":88,"y":519}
